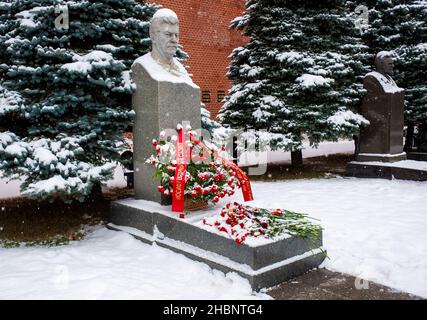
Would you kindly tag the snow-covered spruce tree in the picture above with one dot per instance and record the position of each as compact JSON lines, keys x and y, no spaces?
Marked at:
{"x":401,"y":26}
{"x":299,"y":75}
{"x":65,"y":94}
{"x":218,"y":134}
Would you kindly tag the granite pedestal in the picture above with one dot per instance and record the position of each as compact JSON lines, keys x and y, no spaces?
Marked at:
{"x":161,"y":102}
{"x":265,"y":264}
{"x":382,"y":140}
{"x":418,"y":156}
{"x":402,"y":170}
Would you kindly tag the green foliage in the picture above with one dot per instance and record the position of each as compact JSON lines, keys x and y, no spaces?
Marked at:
{"x":401,"y":26}
{"x":65,"y":94}
{"x":300,"y":74}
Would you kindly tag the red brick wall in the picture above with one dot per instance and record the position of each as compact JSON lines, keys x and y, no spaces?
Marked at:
{"x":206,"y":37}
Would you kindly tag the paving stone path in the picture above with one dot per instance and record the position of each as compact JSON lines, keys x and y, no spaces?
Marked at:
{"x":322,"y":284}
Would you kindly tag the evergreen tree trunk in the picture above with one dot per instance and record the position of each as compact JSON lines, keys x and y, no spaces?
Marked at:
{"x":296,"y":159}
{"x":356,"y":145}
{"x":409,"y":137}
{"x":96,"y":192}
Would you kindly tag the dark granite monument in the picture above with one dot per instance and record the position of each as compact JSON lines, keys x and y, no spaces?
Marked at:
{"x":379,"y":153}
{"x":382,"y":106}
{"x":422,"y":136}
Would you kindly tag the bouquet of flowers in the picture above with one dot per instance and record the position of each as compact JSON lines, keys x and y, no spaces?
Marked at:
{"x":207,"y":178}
{"x":241,"y":222}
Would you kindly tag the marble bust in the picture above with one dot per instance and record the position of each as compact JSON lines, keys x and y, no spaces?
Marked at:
{"x":160,"y":62}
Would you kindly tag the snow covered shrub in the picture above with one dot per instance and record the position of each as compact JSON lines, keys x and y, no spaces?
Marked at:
{"x":65,"y":92}
{"x":299,"y":74}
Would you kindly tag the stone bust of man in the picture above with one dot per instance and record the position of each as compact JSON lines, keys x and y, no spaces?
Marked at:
{"x":164,"y":35}
{"x":381,"y":79}
{"x":160,"y":62}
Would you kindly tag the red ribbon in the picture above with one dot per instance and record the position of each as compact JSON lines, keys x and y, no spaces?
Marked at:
{"x":240,"y":175}
{"x":181,"y":169}
{"x":180,"y":172}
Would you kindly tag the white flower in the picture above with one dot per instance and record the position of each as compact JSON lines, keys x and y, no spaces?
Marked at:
{"x":162,"y":134}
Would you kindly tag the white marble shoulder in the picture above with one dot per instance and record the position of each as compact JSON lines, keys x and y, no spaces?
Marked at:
{"x":159,"y":73}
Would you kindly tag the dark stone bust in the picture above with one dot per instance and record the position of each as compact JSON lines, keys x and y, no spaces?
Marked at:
{"x":383,"y":107}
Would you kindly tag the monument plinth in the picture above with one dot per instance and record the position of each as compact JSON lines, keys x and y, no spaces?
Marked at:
{"x":161,"y":101}
{"x":265,"y":264}
{"x":382,"y":106}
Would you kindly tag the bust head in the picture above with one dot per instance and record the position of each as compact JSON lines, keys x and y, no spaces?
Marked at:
{"x":384,"y":63}
{"x":164,"y":34}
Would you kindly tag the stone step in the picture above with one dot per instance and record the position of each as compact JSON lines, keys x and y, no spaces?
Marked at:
{"x":264,"y":265}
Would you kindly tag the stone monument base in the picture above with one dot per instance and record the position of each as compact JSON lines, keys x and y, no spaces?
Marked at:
{"x":418,"y":156}
{"x":362,"y":157}
{"x":264,"y":263}
{"x":404,"y":170}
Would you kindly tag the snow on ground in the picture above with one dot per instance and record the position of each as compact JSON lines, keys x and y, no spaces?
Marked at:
{"x":375,"y":229}
{"x":9,"y":189}
{"x":113,"y":265}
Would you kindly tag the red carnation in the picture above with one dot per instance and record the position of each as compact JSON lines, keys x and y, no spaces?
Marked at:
{"x":171,"y":169}
{"x":222,"y":229}
{"x":277,"y":212}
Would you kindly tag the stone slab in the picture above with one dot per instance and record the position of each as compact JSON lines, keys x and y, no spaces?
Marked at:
{"x":159,"y":106}
{"x":263,"y":265}
{"x":364,"y":170}
{"x":366,"y":157}
{"x":417,"y":156}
